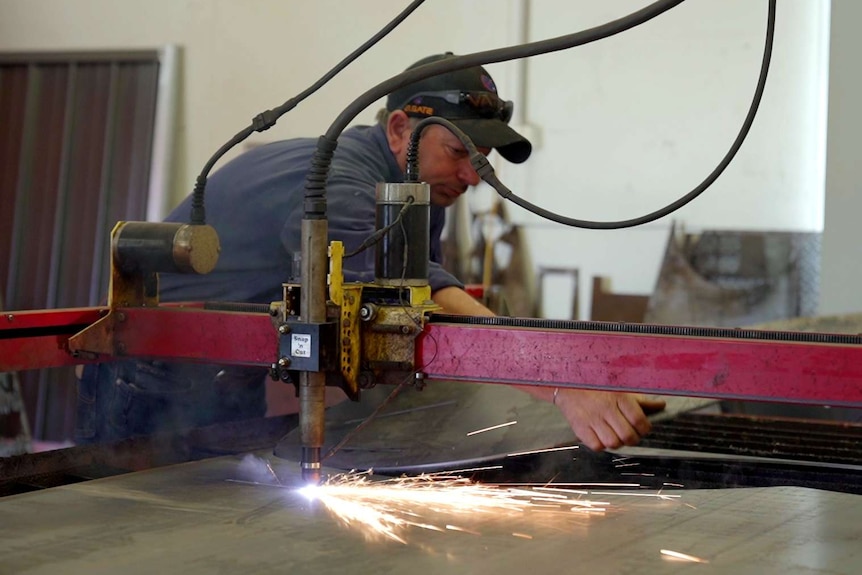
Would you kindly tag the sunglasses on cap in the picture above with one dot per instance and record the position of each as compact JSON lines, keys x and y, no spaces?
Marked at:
{"x":481,"y":104}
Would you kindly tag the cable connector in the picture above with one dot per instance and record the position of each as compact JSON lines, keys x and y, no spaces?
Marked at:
{"x":481,"y":164}
{"x":265,"y":120}
{"x":198,"y":211}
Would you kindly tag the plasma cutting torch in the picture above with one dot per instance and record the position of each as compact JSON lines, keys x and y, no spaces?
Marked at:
{"x":368,"y":330}
{"x":328,"y":332}
{"x":385,"y":332}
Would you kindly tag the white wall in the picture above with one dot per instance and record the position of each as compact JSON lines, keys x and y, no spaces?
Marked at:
{"x":242,"y":57}
{"x":841,"y":273}
{"x":622,"y":126}
{"x":633,"y":122}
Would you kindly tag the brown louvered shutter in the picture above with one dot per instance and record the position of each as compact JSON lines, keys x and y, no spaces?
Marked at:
{"x":76,"y":134}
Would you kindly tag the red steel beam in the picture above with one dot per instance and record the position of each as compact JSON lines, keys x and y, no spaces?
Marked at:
{"x":36,"y":339}
{"x":197,"y":335}
{"x":814,"y":373}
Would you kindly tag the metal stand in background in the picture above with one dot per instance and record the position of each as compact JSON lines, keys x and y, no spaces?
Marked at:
{"x":15,"y":437}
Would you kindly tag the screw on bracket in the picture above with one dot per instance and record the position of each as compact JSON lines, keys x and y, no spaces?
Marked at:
{"x":419,"y":380}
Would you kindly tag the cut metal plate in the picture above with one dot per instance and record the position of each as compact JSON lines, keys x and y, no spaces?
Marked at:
{"x":428,"y":429}
{"x":195,"y":518}
{"x":441,"y":427}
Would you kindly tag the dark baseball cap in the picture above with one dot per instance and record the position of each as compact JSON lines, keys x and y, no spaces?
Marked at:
{"x":468,"y":98}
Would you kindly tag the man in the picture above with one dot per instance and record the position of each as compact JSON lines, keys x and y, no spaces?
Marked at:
{"x":255,"y":203}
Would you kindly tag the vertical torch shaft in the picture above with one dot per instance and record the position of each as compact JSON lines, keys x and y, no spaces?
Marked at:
{"x":312,"y":385}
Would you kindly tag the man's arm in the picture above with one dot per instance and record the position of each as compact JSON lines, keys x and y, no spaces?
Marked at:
{"x":600,"y":419}
{"x":456,"y":301}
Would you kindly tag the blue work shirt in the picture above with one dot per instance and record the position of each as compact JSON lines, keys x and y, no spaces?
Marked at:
{"x":255,"y":203}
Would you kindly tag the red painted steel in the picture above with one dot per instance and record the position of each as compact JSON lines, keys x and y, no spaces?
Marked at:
{"x":219,"y":337}
{"x":49,"y":318}
{"x":823,"y":374}
{"x":36,"y":339}
{"x":816,"y":373}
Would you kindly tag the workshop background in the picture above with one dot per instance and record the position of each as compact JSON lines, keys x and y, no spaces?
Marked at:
{"x":620,"y":127}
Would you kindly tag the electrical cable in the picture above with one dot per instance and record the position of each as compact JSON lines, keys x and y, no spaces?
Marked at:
{"x":486,"y":171}
{"x":412,"y":162}
{"x":378,"y":235}
{"x":315,"y":195}
{"x":266,"y":120}
{"x":315,"y":191}
{"x":412,"y":175}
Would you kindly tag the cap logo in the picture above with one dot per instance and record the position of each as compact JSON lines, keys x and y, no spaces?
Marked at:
{"x":417,"y":109}
{"x":488,"y":83}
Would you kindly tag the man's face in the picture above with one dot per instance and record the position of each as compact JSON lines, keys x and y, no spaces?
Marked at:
{"x":445,"y":165}
{"x":443,"y":161}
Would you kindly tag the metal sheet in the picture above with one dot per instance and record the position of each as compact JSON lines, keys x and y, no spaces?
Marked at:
{"x":436,"y":428}
{"x":191,"y":519}
{"x":428,"y":429}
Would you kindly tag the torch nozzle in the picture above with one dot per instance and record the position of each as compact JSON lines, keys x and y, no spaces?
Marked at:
{"x":310,"y":465}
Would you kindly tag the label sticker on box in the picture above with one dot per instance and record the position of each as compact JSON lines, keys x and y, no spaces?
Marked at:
{"x":300,"y":345}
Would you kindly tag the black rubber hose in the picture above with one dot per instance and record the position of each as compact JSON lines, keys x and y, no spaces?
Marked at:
{"x":315,"y":190}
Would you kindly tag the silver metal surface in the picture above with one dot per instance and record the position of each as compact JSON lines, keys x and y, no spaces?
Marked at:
{"x":437,"y":427}
{"x":164,"y":127}
{"x":389,"y":193}
{"x":312,"y":385}
{"x":194,"y":518}
{"x":196,"y":248}
{"x":427,"y":430}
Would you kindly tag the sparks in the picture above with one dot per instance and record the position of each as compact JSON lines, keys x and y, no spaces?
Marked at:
{"x":682,"y":556}
{"x":472,"y":469}
{"x":442,"y":502}
{"x":492,"y":428}
{"x":272,"y":471}
{"x":655,"y":495}
{"x":566,"y":448}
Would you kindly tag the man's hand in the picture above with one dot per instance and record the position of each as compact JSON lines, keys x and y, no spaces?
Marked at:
{"x":606,"y":419}
{"x":600,"y":419}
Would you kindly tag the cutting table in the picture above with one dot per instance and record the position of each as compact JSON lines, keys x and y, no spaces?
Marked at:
{"x":209,"y":515}
{"x":224,"y":516}
{"x":245,"y":513}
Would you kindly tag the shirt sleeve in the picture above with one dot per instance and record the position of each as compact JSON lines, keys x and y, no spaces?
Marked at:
{"x":351,"y":214}
{"x":438,"y":278}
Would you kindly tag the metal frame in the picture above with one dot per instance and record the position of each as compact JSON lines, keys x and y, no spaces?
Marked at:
{"x":161,"y":165}
{"x":760,"y":369}
{"x":134,"y":109}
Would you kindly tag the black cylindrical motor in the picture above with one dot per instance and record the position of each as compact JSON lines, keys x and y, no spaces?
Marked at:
{"x":165,"y":247}
{"x":402,"y":253}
